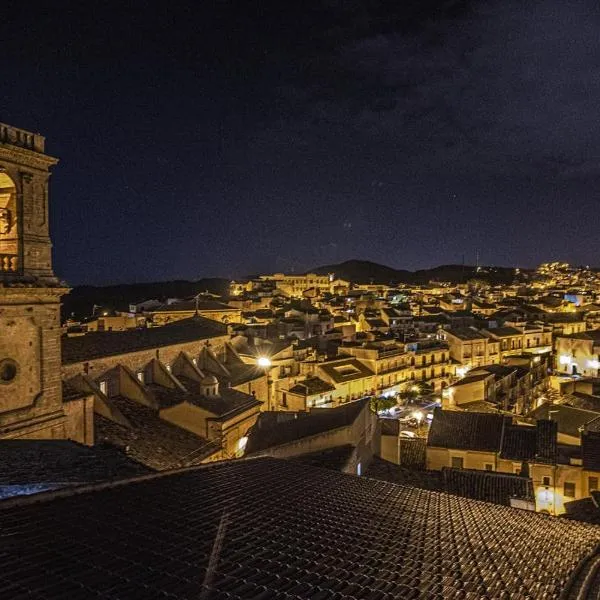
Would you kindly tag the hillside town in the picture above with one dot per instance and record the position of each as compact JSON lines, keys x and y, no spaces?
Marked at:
{"x":203,"y":376}
{"x":463,"y":391}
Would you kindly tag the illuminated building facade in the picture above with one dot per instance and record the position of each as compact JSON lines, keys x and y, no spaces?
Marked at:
{"x":31,"y":402}
{"x":578,"y":353}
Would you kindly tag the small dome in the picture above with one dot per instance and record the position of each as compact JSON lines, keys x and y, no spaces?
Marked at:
{"x":210,"y":380}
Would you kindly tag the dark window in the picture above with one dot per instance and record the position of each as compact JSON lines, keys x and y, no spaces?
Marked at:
{"x":546,"y":481}
{"x":457,"y":462}
{"x":592,"y":483}
{"x":489,"y":467}
{"x":569,"y":489}
{"x":8,"y":370}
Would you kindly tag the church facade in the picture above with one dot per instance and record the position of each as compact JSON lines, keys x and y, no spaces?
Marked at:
{"x":31,"y":402}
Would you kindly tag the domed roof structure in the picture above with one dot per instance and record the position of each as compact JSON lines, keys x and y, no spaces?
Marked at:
{"x":210,"y":380}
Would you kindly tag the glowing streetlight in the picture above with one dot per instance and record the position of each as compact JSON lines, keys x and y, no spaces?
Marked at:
{"x":264,"y":362}
{"x":418,"y":416}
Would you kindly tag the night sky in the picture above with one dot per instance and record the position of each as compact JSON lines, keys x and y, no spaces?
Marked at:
{"x":223,"y":138}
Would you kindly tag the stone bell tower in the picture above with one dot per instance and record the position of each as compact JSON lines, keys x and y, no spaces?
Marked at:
{"x":30,"y":383}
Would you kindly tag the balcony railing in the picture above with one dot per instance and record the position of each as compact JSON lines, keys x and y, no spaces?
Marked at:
{"x":19,"y":137}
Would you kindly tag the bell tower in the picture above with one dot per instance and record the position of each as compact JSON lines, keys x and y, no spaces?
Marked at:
{"x":30,"y":355}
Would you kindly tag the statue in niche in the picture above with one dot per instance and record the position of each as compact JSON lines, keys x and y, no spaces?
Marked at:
{"x":5,"y":221}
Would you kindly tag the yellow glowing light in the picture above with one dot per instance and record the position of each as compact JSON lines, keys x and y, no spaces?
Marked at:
{"x":264,"y":362}
{"x":418,"y":415}
{"x":462,"y":371}
{"x":415,"y":388}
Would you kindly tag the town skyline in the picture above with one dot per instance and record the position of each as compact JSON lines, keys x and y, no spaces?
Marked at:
{"x":334,"y":268}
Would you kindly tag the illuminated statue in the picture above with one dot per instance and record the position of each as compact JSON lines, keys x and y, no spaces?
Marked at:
{"x":5,"y":223}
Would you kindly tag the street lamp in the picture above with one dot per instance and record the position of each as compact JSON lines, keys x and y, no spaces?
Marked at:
{"x":265,"y":363}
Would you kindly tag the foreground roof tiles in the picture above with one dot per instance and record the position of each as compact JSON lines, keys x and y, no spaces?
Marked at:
{"x":30,"y":466}
{"x":283,"y":530}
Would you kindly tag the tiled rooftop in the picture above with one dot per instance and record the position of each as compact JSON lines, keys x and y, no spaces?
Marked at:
{"x":518,"y":442}
{"x":568,"y":419}
{"x":269,"y":431}
{"x":30,"y":466}
{"x":282,"y":530}
{"x":150,"y":440}
{"x":312,"y":385}
{"x":466,"y":430}
{"x":229,"y":403}
{"x":110,"y":343}
{"x":336,"y":458}
{"x":490,"y":486}
{"x":466,"y":333}
{"x":347,"y":369}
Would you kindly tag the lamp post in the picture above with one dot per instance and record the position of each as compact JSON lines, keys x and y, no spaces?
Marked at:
{"x":265,"y":363}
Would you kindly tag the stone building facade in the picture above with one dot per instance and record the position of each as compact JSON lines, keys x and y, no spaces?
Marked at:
{"x":31,"y":403}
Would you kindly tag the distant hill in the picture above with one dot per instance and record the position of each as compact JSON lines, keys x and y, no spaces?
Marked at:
{"x":82,"y":298}
{"x":364,"y":271}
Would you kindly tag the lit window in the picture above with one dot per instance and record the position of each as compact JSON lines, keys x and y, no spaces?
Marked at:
{"x":103,"y":387}
{"x":140,"y":376}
